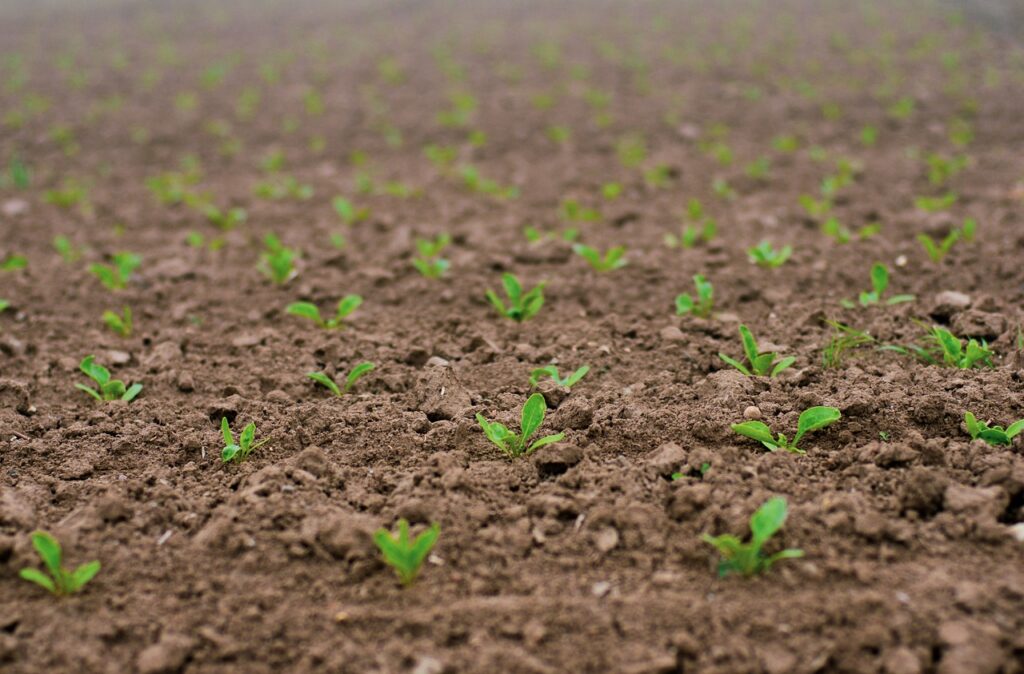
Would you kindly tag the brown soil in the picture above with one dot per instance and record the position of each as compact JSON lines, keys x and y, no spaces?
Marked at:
{"x":585,"y":557}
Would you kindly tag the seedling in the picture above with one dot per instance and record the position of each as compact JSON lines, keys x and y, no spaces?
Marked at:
{"x":403,"y":554}
{"x":531,"y":419}
{"x":13,"y":263}
{"x":810,"y":419}
{"x":936,"y":204}
{"x":879,"y":284}
{"x":748,"y":559}
{"x":993,"y":435}
{"x":60,"y":581}
{"x":816,"y":208}
{"x":937,"y":250}
{"x":66,"y":249}
{"x":764,"y":255}
{"x":350,"y":381}
{"x":347,"y":305}
{"x":348,"y":213}
{"x":552,"y":371}
{"x":106,"y":388}
{"x":702,"y":306}
{"x":521,"y":306}
{"x":115,"y":276}
{"x":844,"y":339}
{"x":238,"y":451}
{"x":281,"y":188}
{"x":701,"y":228}
{"x":945,"y":348}
{"x":277,"y":261}
{"x":761,"y":364}
{"x":572,"y":211}
{"x":612,"y":259}
{"x":428,"y":260}
{"x":121,"y":324}
{"x":4,"y":304}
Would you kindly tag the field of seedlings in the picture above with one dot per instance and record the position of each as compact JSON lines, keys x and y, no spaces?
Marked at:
{"x":510,"y":336}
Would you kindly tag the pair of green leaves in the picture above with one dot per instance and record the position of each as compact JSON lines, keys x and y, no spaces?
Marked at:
{"x":879,"y":284}
{"x":530,"y":420}
{"x":405,"y":554}
{"x":748,"y":559}
{"x":811,"y":419}
{"x":277,"y":261}
{"x":238,"y":451}
{"x":115,"y":276}
{"x":428,"y":260}
{"x":993,"y":435}
{"x":347,"y":305}
{"x":521,"y":306}
{"x":761,"y":364}
{"x":106,"y":388}
{"x":60,"y":581}
{"x":552,"y":371}
{"x":764,"y":255}
{"x":613,"y":258}
{"x":120,"y":324}
{"x":350,"y":380}
{"x":704,"y":302}
{"x":937,"y":250}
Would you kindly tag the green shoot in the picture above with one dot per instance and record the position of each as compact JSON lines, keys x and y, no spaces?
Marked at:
{"x":4,"y":304}
{"x":702,"y":306}
{"x":348,"y":213}
{"x":937,"y":250}
{"x":428,"y":260}
{"x":277,"y":261}
{"x":60,"y":581}
{"x":521,"y":306}
{"x":115,"y":276}
{"x":764,"y":255}
{"x":282,"y":188}
{"x":120,"y":324}
{"x":531,"y":419}
{"x":993,"y":435}
{"x":843,"y":340}
{"x":13,"y":263}
{"x":935,"y":204}
{"x":552,"y":371}
{"x":611,"y":260}
{"x":405,"y":555}
{"x":66,"y":249}
{"x":879,"y":284}
{"x":761,"y":364}
{"x":700,"y":229}
{"x":350,"y":381}
{"x":811,"y":419}
{"x":945,"y":348}
{"x":816,"y":208}
{"x":106,"y":388}
{"x":238,"y":451}
{"x":747,"y":559}
{"x":347,"y":305}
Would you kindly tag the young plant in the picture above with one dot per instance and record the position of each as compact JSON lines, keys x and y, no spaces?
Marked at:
{"x":531,"y":418}
{"x":521,"y":306}
{"x":60,"y":581}
{"x":701,"y":228}
{"x":350,"y":381}
{"x":13,"y":263}
{"x":945,"y":348}
{"x":879,"y":284}
{"x":66,"y":249}
{"x":277,"y":261}
{"x":936,"y":204}
{"x":702,"y":306}
{"x":748,"y":559}
{"x":612,"y":259}
{"x":115,"y":276}
{"x":347,"y":305}
{"x":238,"y":451}
{"x":428,"y":260}
{"x":404,"y":554}
{"x":761,"y":364}
{"x":811,"y":419}
{"x":843,"y":340}
{"x":106,"y":388}
{"x":764,"y":255}
{"x":120,"y":324}
{"x":552,"y":371}
{"x":937,"y":250}
{"x":4,"y":304}
{"x":993,"y":435}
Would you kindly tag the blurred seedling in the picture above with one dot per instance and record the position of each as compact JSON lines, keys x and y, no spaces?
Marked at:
{"x":879,"y":284}
{"x":941,"y":168}
{"x":942,"y":347}
{"x":428,"y":260}
{"x":18,"y":175}
{"x":521,"y":306}
{"x":760,"y":364}
{"x":535,"y":235}
{"x":613,"y":258}
{"x":277,"y":261}
{"x":405,"y":554}
{"x":572,"y":211}
{"x":119,"y":324}
{"x":58,"y":580}
{"x":13,"y":263}
{"x":764,"y":255}
{"x":749,"y":559}
{"x":935,"y":204}
{"x":722,"y":189}
{"x":239,"y":451}
{"x":472,"y":179}
{"x":937,"y":250}
{"x":993,"y":435}
{"x":282,"y":188}
{"x":834,"y":229}
{"x":843,"y":340}
{"x":552,"y":371}
{"x":350,"y":380}
{"x":346,"y":306}
{"x":348,"y":213}
{"x":816,"y":208}
{"x":704,"y":302}
{"x":115,"y":276}
{"x":106,"y":388}
{"x":700,"y":228}
{"x":67,"y":250}
{"x":4,"y":305}
{"x":811,"y":419}
{"x":530,"y":421}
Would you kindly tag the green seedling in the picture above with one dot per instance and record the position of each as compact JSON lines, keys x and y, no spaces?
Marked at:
{"x":521,"y":306}
{"x":277,"y":261}
{"x":106,"y":388}
{"x":702,"y":305}
{"x":935,"y":204}
{"x":941,"y":168}
{"x":238,"y":451}
{"x":120,"y":324}
{"x":810,"y":419}
{"x":844,"y":339}
{"x":4,"y":305}
{"x":764,"y":255}
{"x":722,"y":189}
{"x":115,"y":276}
{"x":66,"y":249}
{"x":748,"y":559}
{"x":404,"y":554}
{"x":552,"y":371}
{"x":993,"y":435}
{"x":937,"y":250}
{"x":350,"y":381}
{"x":531,"y":419}
{"x":572,"y":211}
{"x":224,"y":220}
{"x":428,"y":260}
{"x":879,"y":284}
{"x":20,"y":177}
{"x":534,"y":235}
{"x":944,"y":348}
{"x":60,"y":581}
{"x":347,"y":305}
{"x":612,"y":259}
{"x":701,"y":228}
{"x":348,"y":213}
{"x":283,"y":187}
{"x":13,"y":263}
{"x":761,"y":364}
{"x":816,"y":208}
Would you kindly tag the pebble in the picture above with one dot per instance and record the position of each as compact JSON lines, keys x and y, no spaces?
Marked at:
{"x":752,"y":412}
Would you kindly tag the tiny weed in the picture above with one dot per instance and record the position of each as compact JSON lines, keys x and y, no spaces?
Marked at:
{"x":404,"y":554}
{"x":748,"y":559}
{"x":761,"y":364}
{"x":844,"y":339}
{"x":106,"y":388}
{"x":531,"y":419}
{"x":58,"y":580}
{"x":350,"y":380}
{"x":811,"y":419}
{"x":347,"y":305}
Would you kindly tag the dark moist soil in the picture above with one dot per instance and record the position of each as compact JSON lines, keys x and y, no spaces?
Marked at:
{"x":585,"y":557}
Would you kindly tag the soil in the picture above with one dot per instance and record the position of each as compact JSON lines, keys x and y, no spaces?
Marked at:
{"x":586,"y":556}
